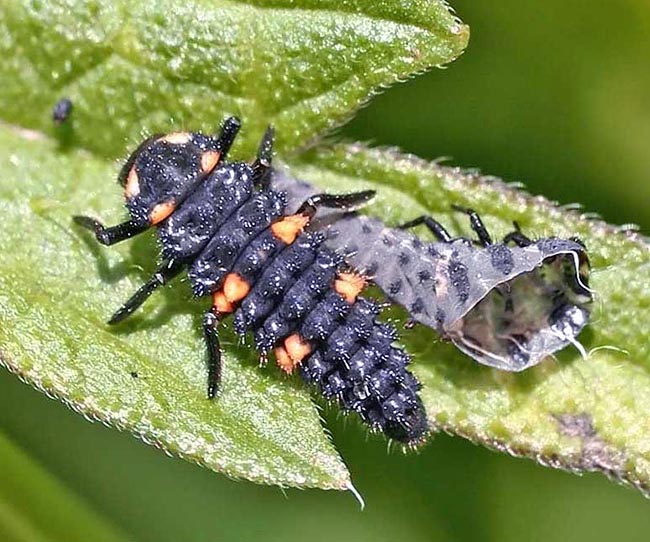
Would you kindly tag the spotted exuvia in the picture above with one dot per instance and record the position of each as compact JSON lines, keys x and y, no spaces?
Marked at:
{"x":507,"y":304}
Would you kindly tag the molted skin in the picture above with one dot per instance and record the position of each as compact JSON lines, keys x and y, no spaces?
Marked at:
{"x":460,"y":290}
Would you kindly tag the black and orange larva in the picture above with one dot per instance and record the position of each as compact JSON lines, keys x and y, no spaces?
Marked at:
{"x":229,"y":229}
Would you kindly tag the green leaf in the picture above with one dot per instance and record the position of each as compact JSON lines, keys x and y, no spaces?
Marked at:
{"x":57,"y":287}
{"x":134,"y":68}
{"x":34,"y":506}
{"x":573,"y":413}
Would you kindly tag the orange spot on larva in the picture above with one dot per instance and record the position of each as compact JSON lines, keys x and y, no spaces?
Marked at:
{"x":132,"y":187}
{"x":349,"y":286}
{"x":283,"y":360}
{"x":287,"y":228}
{"x":160,"y":212}
{"x":235,"y":287}
{"x":209,"y":159}
{"x":221,"y":304}
{"x":177,"y":138}
{"x":297,"y":348}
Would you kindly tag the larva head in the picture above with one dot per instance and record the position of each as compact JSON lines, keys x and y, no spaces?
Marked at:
{"x":518,"y":304}
{"x":162,"y":170}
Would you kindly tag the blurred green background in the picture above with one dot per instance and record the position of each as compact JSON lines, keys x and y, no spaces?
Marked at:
{"x":553,"y":94}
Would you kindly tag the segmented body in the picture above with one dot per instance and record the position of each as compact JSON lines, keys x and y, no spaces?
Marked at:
{"x":297,"y":297}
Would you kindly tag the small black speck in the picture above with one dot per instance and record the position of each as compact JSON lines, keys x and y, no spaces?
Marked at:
{"x":387,"y":241}
{"x":431,"y":251}
{"x":424,"y":275}
{"x":134,"y":374}
{"x":372,"y":268}
{"x":417,"y":306}
{"x":395,"y":287}
{"x":62,"y":110}
{"x":366,"y":228}
{"x":404,"y":258}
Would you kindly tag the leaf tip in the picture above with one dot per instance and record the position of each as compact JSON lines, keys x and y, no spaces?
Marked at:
{"x":350,"y":487}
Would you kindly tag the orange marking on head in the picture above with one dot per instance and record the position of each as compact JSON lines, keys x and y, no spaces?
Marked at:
{"x":283,"y":360}
{"x":161,"y":211}
{"x":177,"y":138}
{"x":235,"y":287}
{"x":349,"y":286}
{"x":132,"y":187}
{"x":222,"y":304}
{"x":297,"y":348}
{"x":288,"y":227}
{"x":209,"y":159}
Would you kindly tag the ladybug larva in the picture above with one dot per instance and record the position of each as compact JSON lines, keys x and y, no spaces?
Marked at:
{"x":506,"y":304}
{"x":224,"y":224}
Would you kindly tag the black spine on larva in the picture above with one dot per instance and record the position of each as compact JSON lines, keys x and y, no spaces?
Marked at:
{"x":358,"y":366}
{"x":221,"y":253}
{"x":184,"y":234}
{"x":299,"y":300}
{"x":353,"y":360}
{"x":276,"y":279}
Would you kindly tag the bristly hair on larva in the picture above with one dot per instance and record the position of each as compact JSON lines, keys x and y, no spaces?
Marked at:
{"x":229,"y":229}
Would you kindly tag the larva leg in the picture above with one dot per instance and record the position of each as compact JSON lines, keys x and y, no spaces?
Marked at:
{"x":347,"y":202}
{"x":434,"y":227}
{"x":210,"y":322}
{"x":476,"y":224}
{"x":262,"y":164}
{"x":517,"y":237}
{"x":228,"y":133}
{"x":113,"y":234}
{"x":163,"y":275}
